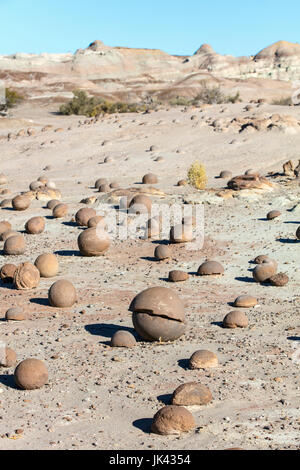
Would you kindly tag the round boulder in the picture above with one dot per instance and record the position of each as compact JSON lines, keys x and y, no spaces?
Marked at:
{"x":191,"y":394}
{"x":62,"y":294}
{"x":123,"y":339}
{"x":172,"y":420}
{"x":31,"y":374}
{"x":158,"y":314}
{"x":203,"y":359}
{"x":235,"y":319}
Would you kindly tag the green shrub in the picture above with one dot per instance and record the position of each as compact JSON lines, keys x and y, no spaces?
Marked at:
{"x":82,"y":104}
{"x":12,"y":99}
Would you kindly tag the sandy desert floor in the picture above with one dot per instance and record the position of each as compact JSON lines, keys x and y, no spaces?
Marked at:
{"x":99,"y":397}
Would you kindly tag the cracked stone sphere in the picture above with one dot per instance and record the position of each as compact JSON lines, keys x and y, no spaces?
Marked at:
{"x":158,"y":314}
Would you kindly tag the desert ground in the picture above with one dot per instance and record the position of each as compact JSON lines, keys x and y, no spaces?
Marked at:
{"x":100,"y":397}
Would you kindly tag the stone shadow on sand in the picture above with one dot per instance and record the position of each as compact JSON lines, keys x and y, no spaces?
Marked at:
{"x":294,"y":338}
{"x":8,"y":381}
{"x":107,"y":329}
{"x":184,"y":364}
{"x":217,"y":323}
{"x":40,"y":301}
{"x":165,"y":399}
{"x":245,"y":279}
{"x":143,"y":424}
{"x":67,"y":253}
{"x":287,"y":240}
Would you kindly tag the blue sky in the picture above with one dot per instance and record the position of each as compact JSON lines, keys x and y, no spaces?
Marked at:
{"x":177,"y":27}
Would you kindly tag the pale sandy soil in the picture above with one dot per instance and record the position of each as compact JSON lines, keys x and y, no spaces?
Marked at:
{"x":104,"y":398}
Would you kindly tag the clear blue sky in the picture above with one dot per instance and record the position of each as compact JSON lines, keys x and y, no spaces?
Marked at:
{"x":234,"y":27}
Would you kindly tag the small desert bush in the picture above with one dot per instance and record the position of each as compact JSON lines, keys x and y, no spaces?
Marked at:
{"x":197,"y":175}
{"x":214,"y":95}
{"x":12,"y":99}
{"x":180,"y":101}
{"x":283,"y":101}
{"x":82,"y":104}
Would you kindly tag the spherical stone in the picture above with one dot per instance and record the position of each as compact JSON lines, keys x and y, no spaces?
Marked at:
{"x":162,"y":252}
{"x":178,"y":276}
{"x":273,"y":214}
{"x":245,"y":301}
{"x":140,"y":204}
{"x":279,"y":280}
{"x":104,"y":188}
{"x":264,"y":271}
{"x":4,"y":226}
{"x":31,"y":374}
{"x":83,"y":215}
{"x":9,"y":359}
{"x":62,"y":294}
{"x":262,"y":259}
{"x":209,"y":268}
{"x":190,"y":394}
{"x":181,"y":233}
{"x":182,"y":183}
{"x":203,"y":360}
{"x":9,"y":233}
{"x":60,"y":211}
{"x":100,"y":181}
{"x":47,"y":264}
{"x":21,"y":203}
{"x":35,"y":225}
{"x":27,"y":276}
{"x":114,"y":185}
{"x":225,"y":174}
{"x":235,"y":319}
{"x":150,"y":178}
{"x":35,"y":185}
{"x":14,"y":245}
{"x":123,"y":339}
{"x":53,"y":203}
{"x":15,"y":314}
{"x":7,"y":273}
{"x":172,"y":420}
{"x":97,"y":221}
{"x":158,"y":314}
{"x":298,"y":233}
{"x":93,"y":241}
